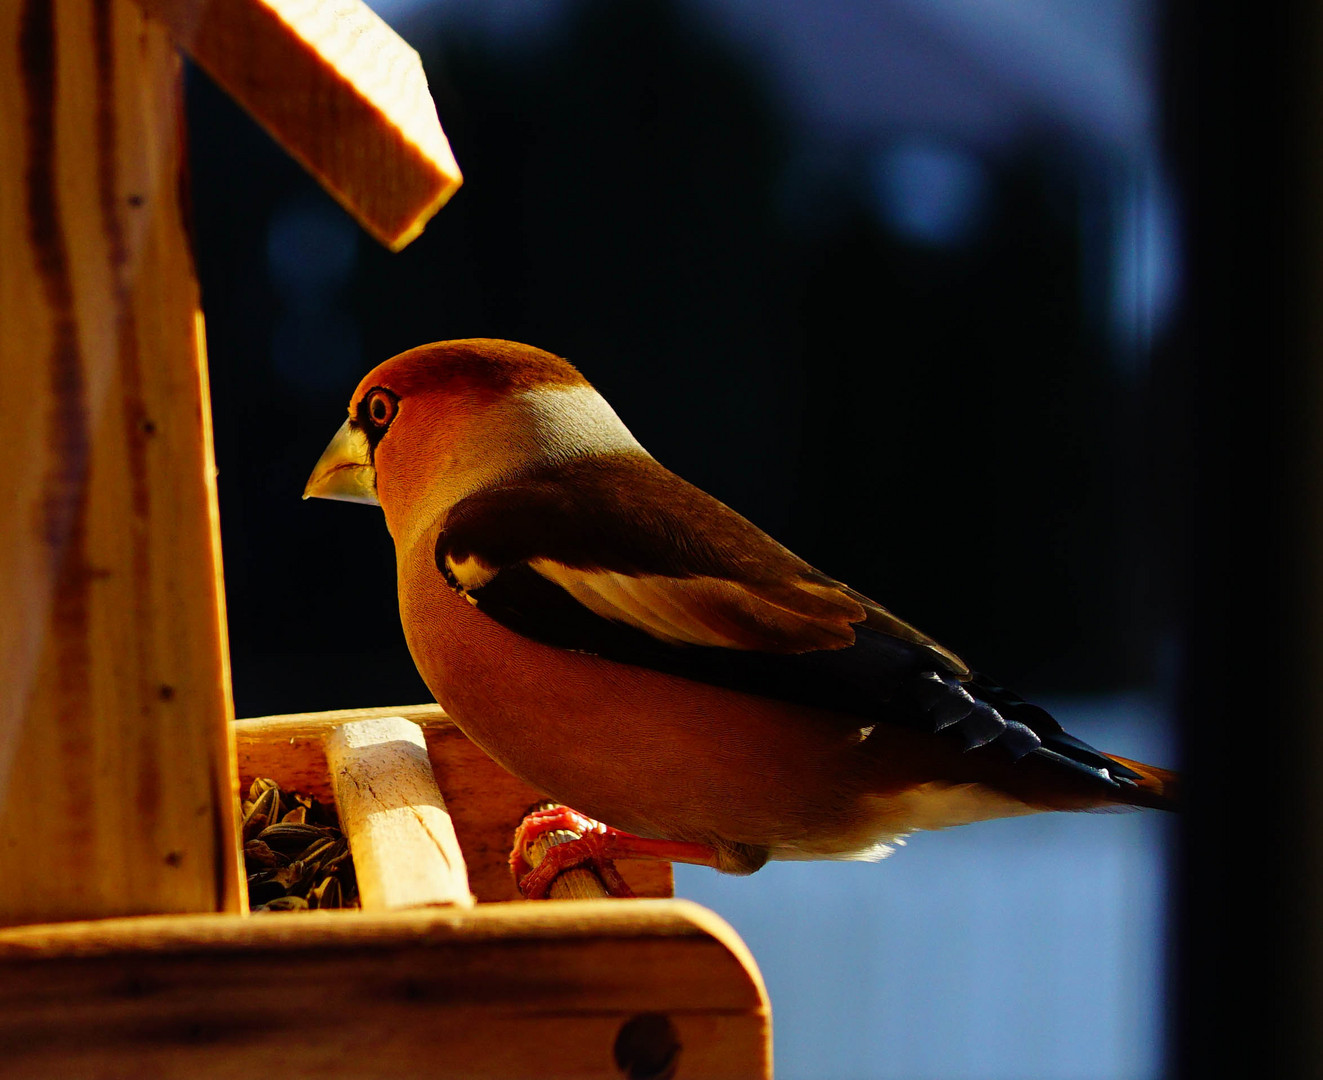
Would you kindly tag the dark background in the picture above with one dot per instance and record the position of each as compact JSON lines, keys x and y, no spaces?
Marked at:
{"x":947,"y":427}
{"x":949,"y":421}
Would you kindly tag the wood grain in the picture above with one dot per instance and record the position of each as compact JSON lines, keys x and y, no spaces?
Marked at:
{"x":485,"y":802}
{"x":497,"y":991}
{"x":339,"y":90}
{"x":116,"y":758}
{"x":400,"y":834}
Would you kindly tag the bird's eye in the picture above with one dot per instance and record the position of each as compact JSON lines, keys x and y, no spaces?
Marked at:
{"x":379,"y":408}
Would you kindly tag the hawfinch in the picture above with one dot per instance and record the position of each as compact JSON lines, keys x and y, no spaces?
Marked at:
{"x":637,"y":650}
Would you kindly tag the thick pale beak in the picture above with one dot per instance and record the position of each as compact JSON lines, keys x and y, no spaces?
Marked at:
{"x":344,"y":471}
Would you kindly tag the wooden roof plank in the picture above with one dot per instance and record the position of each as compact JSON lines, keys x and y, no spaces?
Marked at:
{"x":339,"y":90}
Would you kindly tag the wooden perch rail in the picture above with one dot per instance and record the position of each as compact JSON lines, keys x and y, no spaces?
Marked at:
{"x":403,"y":843}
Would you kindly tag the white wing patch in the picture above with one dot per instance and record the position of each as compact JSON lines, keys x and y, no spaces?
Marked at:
{"x":692,"y":611}
{"x":642,"y":602}
{"x":470,"y":572}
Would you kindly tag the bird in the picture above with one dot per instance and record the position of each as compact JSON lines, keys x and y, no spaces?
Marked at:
{"x":641,"y":653}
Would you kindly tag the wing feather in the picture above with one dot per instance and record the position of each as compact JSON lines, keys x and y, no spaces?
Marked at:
{"x":660,"y":606}
{"x":708,"y":610}
{"x":623,"y":559}
{"x":470,"y":572}
{"x":636,"y":545}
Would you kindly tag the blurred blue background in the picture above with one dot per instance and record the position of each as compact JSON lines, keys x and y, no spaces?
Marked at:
{"x":1031,"y":947}
{"x":888,"y":277}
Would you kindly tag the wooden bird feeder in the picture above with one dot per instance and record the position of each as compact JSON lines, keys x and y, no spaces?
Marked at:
{"x":126,"y":947}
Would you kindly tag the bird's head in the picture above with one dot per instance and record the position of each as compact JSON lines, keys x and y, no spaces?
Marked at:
{"x":438,"y":422}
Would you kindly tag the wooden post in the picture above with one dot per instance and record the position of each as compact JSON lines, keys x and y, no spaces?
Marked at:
{"x":117,"y":784}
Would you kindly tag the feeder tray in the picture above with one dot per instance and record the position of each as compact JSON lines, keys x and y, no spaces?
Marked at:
{"x":504,"y":988}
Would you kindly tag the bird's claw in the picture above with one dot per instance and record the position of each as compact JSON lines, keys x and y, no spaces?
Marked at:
{"x":594,"y":844}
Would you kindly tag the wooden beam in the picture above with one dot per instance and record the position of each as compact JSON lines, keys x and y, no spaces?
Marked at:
{"x":485,"y":802}
{"x":400,"y":834}
{"x":116,"y":778}
{"x":577,"y":989}
{"x":339,"y":90}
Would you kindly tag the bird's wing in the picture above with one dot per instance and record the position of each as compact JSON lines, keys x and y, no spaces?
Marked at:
{"x":637,"y":547}
{"x":620,"y":558}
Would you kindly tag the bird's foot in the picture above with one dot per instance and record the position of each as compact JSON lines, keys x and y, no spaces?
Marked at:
{"x":584,"y":842}
{"x":592,"y":843}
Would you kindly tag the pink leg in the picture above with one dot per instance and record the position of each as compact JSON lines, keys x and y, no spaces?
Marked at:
{"x":598,"y":844}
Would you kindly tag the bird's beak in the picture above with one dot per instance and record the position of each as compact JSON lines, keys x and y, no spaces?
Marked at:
{"x":344,"y":471}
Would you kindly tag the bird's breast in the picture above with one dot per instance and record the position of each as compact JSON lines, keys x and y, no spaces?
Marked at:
{"x":648,"y":752}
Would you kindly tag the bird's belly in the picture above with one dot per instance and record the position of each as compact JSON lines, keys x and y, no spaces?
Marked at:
{"x":647,"y":752}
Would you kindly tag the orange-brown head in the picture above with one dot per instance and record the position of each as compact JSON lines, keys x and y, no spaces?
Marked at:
{"x":438,"y":422}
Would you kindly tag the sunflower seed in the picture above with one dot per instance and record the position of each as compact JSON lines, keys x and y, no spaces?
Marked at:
{"x":284,"y":903}
{"x":259,"y":853}
{"x":295,"y":854}
{"x":326,"y":894}
{"x":264,"y":810}
{"x":291,"y":839}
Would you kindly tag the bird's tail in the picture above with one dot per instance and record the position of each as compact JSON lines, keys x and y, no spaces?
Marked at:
{"x":1126,"y":782}
{"x":1159,"y":789}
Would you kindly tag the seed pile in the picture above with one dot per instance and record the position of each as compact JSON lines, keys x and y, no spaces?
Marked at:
{"x":294,"y":853}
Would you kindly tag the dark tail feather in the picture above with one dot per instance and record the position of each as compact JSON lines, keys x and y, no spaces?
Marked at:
{"x":1127,"y":783}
